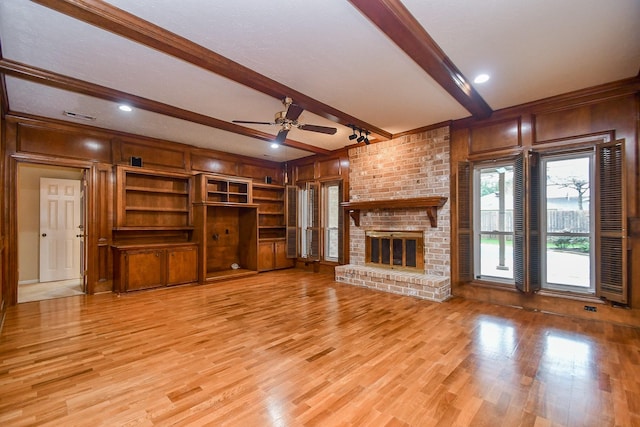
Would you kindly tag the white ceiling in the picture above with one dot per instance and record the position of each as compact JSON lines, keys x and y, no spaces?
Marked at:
{"x":324,"y":49}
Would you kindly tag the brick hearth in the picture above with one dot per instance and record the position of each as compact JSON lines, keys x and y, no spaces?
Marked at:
{"x":434,"y":288}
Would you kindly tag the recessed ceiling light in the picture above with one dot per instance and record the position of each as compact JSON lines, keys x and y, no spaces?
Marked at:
{"x":274,"y":145}
{"x":481,"y":78}
{"x":124,"y":107}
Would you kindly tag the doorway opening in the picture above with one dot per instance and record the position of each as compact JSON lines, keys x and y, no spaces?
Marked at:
{"x":50,"y":221}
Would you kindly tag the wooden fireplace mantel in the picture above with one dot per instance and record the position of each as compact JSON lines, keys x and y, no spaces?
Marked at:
{"x":430,"y":203}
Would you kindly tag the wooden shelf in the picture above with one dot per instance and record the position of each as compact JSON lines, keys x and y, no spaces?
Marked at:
{"x":156,"y":190}
{"x":154,"y":228}
{"x":211,"y":188}
{"x":149,"y":199}
{"x":271,"y":226}
{"x":154,"y":209}
{"x":431,"y":204}
{"x":229,"y":274}
{"x":228,"y":204}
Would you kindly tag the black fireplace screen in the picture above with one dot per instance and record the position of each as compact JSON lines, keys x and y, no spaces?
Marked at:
{"x":395,"y":249}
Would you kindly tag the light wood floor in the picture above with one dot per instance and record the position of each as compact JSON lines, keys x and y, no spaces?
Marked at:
{"x":294,"y":348}
{"x":49,"y":290}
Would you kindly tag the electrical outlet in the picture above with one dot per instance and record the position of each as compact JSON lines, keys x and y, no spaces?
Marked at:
{"x":590,"y":308}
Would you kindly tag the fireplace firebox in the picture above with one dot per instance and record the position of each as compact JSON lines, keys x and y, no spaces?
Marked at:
{"x":402,"y":250}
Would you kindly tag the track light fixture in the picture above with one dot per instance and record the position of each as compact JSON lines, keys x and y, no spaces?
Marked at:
{"x":360,"y":137}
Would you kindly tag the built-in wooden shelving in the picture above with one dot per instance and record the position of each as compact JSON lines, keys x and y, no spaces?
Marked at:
{"x":152,"y":200}
{"x":226,"y":227}
{"x":270,"y":199}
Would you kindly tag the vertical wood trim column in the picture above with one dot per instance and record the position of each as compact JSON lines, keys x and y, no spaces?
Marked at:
{"x":99,"y":234}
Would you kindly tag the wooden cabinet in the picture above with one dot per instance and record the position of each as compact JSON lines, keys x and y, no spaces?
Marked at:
{"x":272,"y":255}
{"x":226,"y":226}
{"x":152,"y":200}
{"x":182,"y":262}
{"x":271,"y":226}
{"x":145,"y":266}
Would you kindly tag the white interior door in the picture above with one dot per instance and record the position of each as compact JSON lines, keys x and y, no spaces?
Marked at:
{"x":60,"y":229}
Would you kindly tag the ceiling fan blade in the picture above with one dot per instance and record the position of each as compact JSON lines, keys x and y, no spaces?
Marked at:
{"x":253,"y":123}
{"x":293,"y":112}
{"x":320,"y":129}
{"x":282,"y":136}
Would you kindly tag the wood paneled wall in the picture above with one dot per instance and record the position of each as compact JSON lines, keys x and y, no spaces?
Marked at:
{"x":3,"y":202}
{"x":609,"y":111}
{"x":321,"y":168}
{"x":32,"y":139}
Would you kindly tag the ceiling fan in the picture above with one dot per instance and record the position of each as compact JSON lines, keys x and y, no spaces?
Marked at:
{"x":289,"y":118}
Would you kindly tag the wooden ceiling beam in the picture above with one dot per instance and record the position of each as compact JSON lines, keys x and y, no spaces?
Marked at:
{"x":393,"y":18}
{"x":124,"y":24}
{"x":60,"y":81}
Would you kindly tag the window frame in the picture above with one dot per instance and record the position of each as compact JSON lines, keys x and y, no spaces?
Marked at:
{"x":608,"y":200}
{"x":324,"y":219}
{"x":307,"y":204}
{"x":477,"y":220}
{"x":544,"y":233}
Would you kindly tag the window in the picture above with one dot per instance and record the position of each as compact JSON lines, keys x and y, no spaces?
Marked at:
{"x":315,"y":232}
{"x":552,"y":221}
{"x":309,"y":220}
{"x":493,"y":220}
{"x":568,"y":226}
{"x":331,"y":203}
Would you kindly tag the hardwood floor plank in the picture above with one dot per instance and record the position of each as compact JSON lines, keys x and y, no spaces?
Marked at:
{"x":294,"y":348}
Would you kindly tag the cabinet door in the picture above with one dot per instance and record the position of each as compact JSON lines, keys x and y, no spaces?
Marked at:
{"x":144,"y":269}
{"x":182,"y":265}
{"x":280,"y":254}
{"x":265,"y":256}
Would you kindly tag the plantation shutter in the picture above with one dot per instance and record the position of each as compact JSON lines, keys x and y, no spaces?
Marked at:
{"x":465,"y":221}
{"x":292,"y":221}
{"x":611,"y":240}
{"x":313,"y":225}
{"x":519,"y":250}
{"x":534,"y":279}
{"x":340,"y":224}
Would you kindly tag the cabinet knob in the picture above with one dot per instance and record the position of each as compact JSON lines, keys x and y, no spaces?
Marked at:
{"x":44,"y":234}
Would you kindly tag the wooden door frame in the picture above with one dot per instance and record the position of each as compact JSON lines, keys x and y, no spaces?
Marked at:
{"x":10,"y":290}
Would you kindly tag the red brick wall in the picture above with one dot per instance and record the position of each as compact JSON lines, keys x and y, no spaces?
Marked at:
{"x":407,"y":167}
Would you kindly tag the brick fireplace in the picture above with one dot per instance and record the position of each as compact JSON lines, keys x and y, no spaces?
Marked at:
{"x":410,"y":168}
